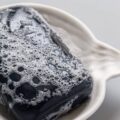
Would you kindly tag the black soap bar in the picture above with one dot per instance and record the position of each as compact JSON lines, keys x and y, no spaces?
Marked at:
{"x":39,"y":78}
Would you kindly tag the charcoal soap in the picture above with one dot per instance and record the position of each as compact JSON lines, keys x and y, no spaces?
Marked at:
{"x":39,"y":78}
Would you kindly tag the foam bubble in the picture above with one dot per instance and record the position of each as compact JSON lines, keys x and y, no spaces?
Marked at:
{"x":14,"y":76}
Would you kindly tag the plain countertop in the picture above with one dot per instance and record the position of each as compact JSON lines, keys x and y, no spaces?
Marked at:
{"x":103,"y":18}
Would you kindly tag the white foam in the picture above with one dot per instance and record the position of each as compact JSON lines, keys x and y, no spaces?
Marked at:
{"x":30,"y":45}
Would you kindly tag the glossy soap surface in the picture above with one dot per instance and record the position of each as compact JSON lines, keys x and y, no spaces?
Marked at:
{"x":39,"y":78}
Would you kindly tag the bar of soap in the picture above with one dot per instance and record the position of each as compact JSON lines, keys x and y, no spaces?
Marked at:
{"x":39,"y":78}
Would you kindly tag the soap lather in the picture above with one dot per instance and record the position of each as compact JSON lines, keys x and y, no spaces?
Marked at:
{"x":39,"y":78}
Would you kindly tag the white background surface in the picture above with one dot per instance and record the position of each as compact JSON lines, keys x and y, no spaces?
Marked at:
{"x":103,"y":18}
